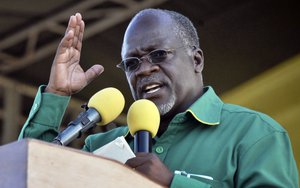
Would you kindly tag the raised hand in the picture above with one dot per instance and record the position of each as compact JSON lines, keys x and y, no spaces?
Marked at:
{"x":151,"y":166}
{"x":67,"y":77}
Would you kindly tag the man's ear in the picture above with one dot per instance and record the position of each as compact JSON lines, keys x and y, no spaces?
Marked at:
{"x":198,"y":60}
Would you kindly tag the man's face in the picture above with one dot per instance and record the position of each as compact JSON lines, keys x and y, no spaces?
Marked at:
{"x":170,"y":83}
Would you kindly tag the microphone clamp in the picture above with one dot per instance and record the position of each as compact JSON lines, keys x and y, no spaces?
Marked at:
{"x":81,"y":124}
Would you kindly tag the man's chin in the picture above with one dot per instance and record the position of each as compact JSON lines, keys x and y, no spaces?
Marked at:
{"x":165,"y":108}
{"x":164,"y":105}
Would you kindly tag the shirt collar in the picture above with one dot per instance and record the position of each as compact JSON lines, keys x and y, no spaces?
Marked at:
{"x":207,"y":109}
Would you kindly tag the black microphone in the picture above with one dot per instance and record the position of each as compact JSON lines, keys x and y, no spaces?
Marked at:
{"x":102,"y":108}
{"x":143,"y":122}
{"x":142,"y":142}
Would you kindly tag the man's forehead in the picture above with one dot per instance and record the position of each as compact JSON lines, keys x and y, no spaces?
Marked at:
{"x":147,"y":31}
{"x":146,"y":44}
{"x":148,"y":23}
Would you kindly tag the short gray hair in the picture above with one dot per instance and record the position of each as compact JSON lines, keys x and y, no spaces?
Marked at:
{"x":184,"y":28}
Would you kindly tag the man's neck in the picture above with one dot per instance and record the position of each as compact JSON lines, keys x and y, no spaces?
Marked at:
{"x":164,"y":123}
{"x":167,"y":118}
{"x":162,"y":128}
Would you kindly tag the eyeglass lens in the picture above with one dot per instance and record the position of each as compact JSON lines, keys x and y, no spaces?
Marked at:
{"x":156,"y":56}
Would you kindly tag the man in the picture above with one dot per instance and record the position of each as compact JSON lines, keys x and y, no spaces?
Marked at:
{"x":201,"y":141}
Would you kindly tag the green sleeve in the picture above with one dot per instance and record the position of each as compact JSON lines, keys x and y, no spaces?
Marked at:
{"x":45,"y":116}
{"x":268,"y":163}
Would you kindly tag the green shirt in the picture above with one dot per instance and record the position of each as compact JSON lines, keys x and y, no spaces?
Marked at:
{"x":212,"y":144}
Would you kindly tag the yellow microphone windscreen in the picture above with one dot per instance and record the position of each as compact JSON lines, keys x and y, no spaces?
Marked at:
{"x":143,"y":115}
{"x":109,"y":102}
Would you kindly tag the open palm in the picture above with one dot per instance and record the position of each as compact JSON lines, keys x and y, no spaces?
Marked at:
{"x":67,"y":77}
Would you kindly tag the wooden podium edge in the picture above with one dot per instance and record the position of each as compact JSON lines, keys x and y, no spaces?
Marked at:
{"x":50,"y":165}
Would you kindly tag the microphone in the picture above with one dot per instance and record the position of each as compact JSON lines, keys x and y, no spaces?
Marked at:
{"x":143,"y":120}
{"x":102,"y":108}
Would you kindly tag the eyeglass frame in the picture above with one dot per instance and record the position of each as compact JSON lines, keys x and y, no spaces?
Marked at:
{"x":121,"y":65}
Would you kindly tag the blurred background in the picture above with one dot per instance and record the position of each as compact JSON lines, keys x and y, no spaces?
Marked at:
{"x":251,"y":49}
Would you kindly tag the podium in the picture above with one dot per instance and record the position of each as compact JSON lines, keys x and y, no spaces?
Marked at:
{"x":32,"y":163}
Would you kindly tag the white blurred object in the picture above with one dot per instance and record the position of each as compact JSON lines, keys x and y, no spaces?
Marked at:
{"x":118,"y":150}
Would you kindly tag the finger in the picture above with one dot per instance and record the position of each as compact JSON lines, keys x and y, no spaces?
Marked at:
{"x":77,"y":29}
{"x":71,"y":24}
{"x":78,"y":17}
{"x":144,"y":169}
{"x":136,"y":161}
{"x":80,"y":36}
{"x":75,"y":38}
{"x":133,"y":163}
{"x":74,"y":32}
{"x":82,"y":26}
{"x":66,"y":42}
{"x":93,"y":72}
{"x":143,"y":154}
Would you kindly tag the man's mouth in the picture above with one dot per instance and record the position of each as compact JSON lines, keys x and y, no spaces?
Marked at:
{"x":152,"y":88}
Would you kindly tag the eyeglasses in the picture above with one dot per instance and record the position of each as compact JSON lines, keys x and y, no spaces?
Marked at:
{"x":155,"y":57}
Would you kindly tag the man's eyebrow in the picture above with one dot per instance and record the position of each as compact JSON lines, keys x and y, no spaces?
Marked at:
{"x":136,"y":52}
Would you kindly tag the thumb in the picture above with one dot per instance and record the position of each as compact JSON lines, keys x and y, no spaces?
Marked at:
{"x":93,"y":72}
